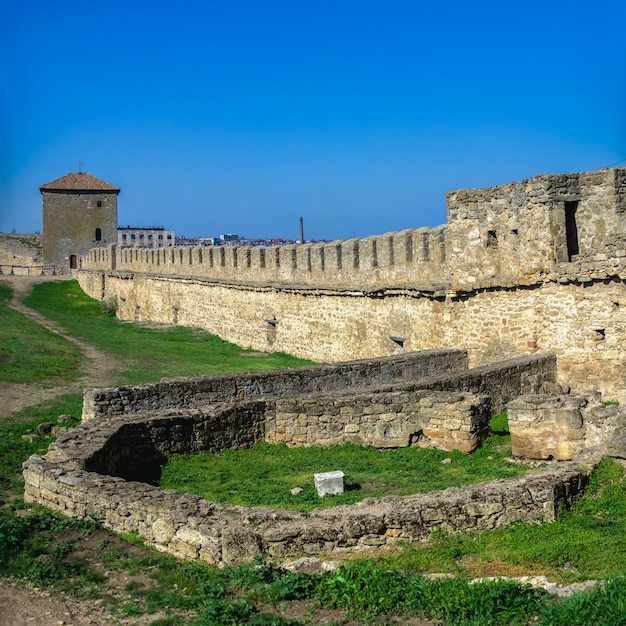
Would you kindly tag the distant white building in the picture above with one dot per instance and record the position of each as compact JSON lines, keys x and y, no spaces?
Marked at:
{"x":229,"y":238}
{"x":156,"y":237}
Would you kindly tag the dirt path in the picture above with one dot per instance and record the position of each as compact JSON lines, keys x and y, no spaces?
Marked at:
{"x":33,"y":607}
{"x":100,"y":368}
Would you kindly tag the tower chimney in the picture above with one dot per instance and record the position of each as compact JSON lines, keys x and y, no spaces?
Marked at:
{"x":301,"y":231}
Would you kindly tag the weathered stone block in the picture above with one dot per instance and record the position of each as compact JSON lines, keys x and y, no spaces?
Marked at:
{"x":569,"y":419}
{"x":329,"y":483}
{"x":162,"y":531}
{"x":240,"y":545}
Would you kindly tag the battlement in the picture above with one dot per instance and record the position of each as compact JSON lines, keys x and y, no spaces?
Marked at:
{"x":494,"y":236}
{"x":414,"y":256}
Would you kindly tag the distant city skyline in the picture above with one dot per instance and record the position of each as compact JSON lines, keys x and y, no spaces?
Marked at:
{"x":359,"y":116}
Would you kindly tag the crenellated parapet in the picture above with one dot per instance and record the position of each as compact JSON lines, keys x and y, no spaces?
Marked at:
{"x":495,"y":236}
{"x":408,"y":257}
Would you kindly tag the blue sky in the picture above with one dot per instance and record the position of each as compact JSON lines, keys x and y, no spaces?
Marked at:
{"x":241,"y":116}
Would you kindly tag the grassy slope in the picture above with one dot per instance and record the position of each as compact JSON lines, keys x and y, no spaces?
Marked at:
{"x":149,"y":353}
{"x":29,"y":352}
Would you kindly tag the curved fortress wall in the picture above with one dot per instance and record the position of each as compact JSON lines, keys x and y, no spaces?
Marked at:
{"x":533,"y":265}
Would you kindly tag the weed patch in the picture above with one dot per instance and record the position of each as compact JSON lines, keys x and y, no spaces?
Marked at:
{"x":364,"y":590}
{"x":603,"y":606}
{"x":14,"y":449}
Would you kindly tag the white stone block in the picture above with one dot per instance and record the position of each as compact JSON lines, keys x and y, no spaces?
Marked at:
{"x":329,"y":483}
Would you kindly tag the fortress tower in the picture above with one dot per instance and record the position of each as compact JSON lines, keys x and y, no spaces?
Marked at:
{"x":79,"y":213}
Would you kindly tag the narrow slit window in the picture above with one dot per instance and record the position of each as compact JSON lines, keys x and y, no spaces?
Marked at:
{"x":98,"y":234}
{"x":571,"y":229}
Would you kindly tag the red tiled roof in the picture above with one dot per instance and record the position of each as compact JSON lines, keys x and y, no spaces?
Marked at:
{"x":78,"y":181}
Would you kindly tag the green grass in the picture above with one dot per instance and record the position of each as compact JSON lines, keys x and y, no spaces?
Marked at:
{"x":265,"y":474}
{"x":366,"y":591}
{"x":29,"y":352}
{"x":587,"y":542}
{"x":14,"y":449}
{"x":147,"y":353}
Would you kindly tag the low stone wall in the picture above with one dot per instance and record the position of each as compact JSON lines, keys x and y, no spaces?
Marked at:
{"x":198,"y":391}
{"x":395,"y":419}
{"x":102,"y":467}
{"x":108,"y":466}
{"x":502,"y":381}
{"x":436,"y":370}
{"x":560,"y":427}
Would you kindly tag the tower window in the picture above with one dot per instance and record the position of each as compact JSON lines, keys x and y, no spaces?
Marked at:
{"x":99,"y":203}
{"x":98,"y":234}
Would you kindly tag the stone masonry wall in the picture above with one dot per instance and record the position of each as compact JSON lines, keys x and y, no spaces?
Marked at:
{"x":534,"y":265}
{"x":396,"y":419}
{"x":414,"y":256}
{"x":495,"y":234}
{"x":189,"y":527}
{"x":561,"y":427}
{"x":197,"y":392}
{"x":24,"y":250}
{"x":433,"y":370}
{"x":505,"y":233}
{"x":583,"y":323}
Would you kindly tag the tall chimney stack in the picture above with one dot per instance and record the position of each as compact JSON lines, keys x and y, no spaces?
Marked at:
{"x":301,"y":231}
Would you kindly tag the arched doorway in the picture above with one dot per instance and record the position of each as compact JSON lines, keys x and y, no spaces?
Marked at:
{"x":73,"y":262}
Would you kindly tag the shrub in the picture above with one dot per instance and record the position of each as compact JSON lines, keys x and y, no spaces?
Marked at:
{"x":108,"y":305}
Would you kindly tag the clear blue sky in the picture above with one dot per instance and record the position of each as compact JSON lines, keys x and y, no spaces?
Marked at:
{"x":358,"y":115}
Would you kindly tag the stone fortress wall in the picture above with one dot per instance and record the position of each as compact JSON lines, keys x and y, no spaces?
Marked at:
{"x":108,"y":466}
{"x":20,"y":254}
{"x":533,"y":265}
